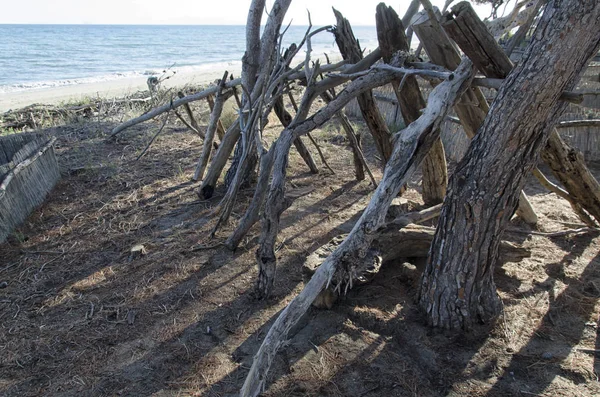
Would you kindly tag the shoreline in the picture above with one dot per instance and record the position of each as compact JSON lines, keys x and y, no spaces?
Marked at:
{"x":118,"y":88}
{"x":109,"y":89}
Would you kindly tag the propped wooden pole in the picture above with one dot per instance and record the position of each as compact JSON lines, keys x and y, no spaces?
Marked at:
{"x":390,"y":33}
{"x":211,"y":105}
{"x":472,"y":108}
{"x":286,"y":118}
{"x":210,"y":131}
{"x":350,"y":50}
{"x":409,"y":150}
{"x":464,"y":26}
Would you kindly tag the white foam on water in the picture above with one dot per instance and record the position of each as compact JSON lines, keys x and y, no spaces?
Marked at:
{"x":40,"y":85}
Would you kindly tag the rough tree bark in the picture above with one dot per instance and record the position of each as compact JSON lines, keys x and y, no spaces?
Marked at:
{"x":390,"y":33}
{"x":350,"y":50}
{"x":458,"y":286}
{"x":472,"y":108}
{"x":469,"y":32}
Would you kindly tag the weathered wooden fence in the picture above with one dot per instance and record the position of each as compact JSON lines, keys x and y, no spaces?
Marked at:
{"x":28,"y":171}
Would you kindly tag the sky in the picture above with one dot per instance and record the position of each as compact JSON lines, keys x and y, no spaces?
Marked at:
{"x":192,"y":12}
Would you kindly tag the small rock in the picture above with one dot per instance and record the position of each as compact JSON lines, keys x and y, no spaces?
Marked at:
{"x":3,"y":284}
{"x":137,"y":251}
{"x":131,"y":317}
{"x":547,"y":355}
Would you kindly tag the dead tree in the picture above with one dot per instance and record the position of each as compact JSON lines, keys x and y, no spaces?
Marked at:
{"x":350,"y":50}
{"x":390,"y":32}
{"x":458,"y":286}
{"x":473,"y":107}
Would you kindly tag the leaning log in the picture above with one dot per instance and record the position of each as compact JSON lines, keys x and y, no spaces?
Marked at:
{"x":350,"y":50}
{"x":409,"y":150}
{"x":172,"y":105}
{"x":391,"y":245}
{"x":458,"y":289}
{"x":390,"y":33}
{"x":285,"y":118}
{"x":213,"y":124}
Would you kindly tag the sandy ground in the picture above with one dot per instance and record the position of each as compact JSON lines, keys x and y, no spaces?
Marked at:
{"x":80,"y":317}
{"x":105,"y":89}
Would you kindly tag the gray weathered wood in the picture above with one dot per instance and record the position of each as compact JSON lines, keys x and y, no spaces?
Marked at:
{"x":350,"y":50}
{"x":409,"y":150}
{"x":213,"y":123}
{"x":390,"y":33}
{"x":472,"y":108}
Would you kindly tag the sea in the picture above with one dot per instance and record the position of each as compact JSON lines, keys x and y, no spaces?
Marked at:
{"x":34,"y":57}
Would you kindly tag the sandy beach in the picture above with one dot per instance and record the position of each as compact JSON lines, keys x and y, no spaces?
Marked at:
{"x":106,"y":89}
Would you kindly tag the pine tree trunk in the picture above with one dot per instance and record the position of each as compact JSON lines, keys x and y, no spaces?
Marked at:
{"x":458,"y":287}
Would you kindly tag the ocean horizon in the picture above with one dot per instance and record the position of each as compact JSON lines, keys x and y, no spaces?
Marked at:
{"x":42,"y":56}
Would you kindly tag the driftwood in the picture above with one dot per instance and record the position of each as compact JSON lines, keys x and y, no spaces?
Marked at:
{"x":310,"y":138}
{"x":213,"y":123}
{"x":579,"y":123}
{"x":350,"y":50}
{"x":360,"y":163}
{"x":568,"y":166}
{"x":518,"y":37}
{"x":172,"y":105}
{"x":389,"y":246}
{"x":211,"y":105}
{"x":286,"y":118}
{"x":188,"y":110}
{"x":409,"y":150}
{"x":390,"y":33}
{"x":575,"y":97}
{"x":472,"y":109}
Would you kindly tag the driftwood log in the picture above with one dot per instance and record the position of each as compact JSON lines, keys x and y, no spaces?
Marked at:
{"x":390,"y":33}
{"x":409,"y":150}
{"x":350,"y":50}
{"x":389,"y":246}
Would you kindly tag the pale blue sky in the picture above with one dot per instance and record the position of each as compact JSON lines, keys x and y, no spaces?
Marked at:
{"x":359,"y":12}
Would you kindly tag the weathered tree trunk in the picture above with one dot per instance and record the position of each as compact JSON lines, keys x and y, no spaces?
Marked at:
{"x":286,"y":118}
{"x":464,"y":26}
{"x":473,"y":107}
{"x":458,"y":286}
{"x":353,"y":139}
{"x":350,"y":50}
{"x":211,"y":106}
{"x":390,"y":33}
{"x":409,"y":150}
